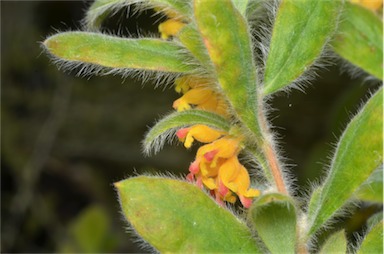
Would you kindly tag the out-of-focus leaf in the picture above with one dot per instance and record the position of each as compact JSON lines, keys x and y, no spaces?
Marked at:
{"x":226,"y":37}
{"x":301,"y":30}
{"x":372,"y":189}
{"x":373,"y":241}
{"x":101,"y":9}
{"x":119,"y":53}
{"x":336,"y":243}
{"x":176,"y":216}
{"x":360,"y":39}
{"x":358,"y":154}
{"x":274,"y":217}
{"x":157,"y":135}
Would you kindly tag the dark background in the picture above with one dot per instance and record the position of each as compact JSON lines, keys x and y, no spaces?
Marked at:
{"x":66,"y":139}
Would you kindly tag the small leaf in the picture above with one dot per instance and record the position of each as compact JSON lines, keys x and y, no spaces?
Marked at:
{"x":101,"y":9}
{"x":372,"y":189}
{"x":157,"y":135}
{"x":336,"y":243}
{"x":176,"y":216}
{"x":119,"y":53}
{"x":314,"y":203}
{"x":273,"y":215}
{"x":358,"y":154}
{"x":360,"y":39}
{"x":301,"y":30}
{"x":373,"y":241}
{"x":226,"y":37}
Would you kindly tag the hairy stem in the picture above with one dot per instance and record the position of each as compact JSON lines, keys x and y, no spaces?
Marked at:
{"x":275,"y":167}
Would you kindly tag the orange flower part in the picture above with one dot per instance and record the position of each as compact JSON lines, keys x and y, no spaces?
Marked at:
{"x":186,"y":82}
{"x":170,"y":28}
{"x":192,"y":97}
{"x":199,"y":132}
{"x":373,"y":5}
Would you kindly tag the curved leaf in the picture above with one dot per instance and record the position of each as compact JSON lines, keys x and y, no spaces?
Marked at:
{"x":157,"y":135}
{"x":226,"y":37}
{"x":273,"y":215}
{"x":360,"y":39}
{"x":300,"y":32}
{"x":373,"y":241}
{"x":177,"y":217}
{"x":358,"y":154}
{"x":119,"y":53}
{"x":101,"y":9}
{"x":336,"y":243}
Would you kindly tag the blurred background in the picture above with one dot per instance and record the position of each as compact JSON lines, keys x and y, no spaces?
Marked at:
{"x":66,"y":139}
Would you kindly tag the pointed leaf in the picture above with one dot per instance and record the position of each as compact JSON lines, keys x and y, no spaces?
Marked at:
{"x":119,"y":53}
{"x":358,"y":154}
{"x":176,"y":216}
{"x":372,"y":189}
{"x":226,"y":37}
{"x":314,"y":203}
{"x":336,"y":243}
{"x":273,"y":215}
{"x":101,"y":9}
{"x":373,"y":241}
{"x":158,"y":134}
{"x":301,"y":30}
{"x":360,"y":39}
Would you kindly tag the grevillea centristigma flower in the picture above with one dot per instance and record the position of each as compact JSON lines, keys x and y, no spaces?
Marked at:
{"x":198,"y":93}
{"x":216,"y":165}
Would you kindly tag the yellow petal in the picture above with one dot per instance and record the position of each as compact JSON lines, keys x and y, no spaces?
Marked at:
{"x":170,"y":28}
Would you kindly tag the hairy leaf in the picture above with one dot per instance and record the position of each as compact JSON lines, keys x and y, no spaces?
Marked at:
{"x":360,"y":39}
{"x":336,"y":243}
{"x":373,"y":241}
{"x":177,"y":217}
{"x":101,"y":9}
{"x":273,"y":215}
{"x":226,"y":37}
{"x":157,"y":135}
{"x":301,"y":30}
{"x":358,"y":154}
{"x":120,"y":53}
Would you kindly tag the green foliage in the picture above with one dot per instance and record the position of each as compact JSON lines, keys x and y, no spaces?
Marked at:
{"x":211,"y":40}
{"x":119,"y":53}
{"x":373,"y":241}
{"x":350,"y":168}
{"x":176,"y":216}
{"x":336,"y":243}
{"x":360,"y":39}
{"x":300,"y":32}
{"x":226,"y":38}
{"x":274,"y":217}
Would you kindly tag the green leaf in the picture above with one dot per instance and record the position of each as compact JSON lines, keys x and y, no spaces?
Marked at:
{"x":373,"y":241}
{"x":191,"y":39}
{"x":101,"y":9}
{"x":241,"y":5}
{"x":176,"y":216}
{"x":358,"y":154}
{"x":301,"y":30}
{"x":158,"y":134}
{"x":372,"y":189}
{"x":119,"y":53}
{"x":360,"y":39}
{"x":336,"y":243}
{"x":314,"y":202}
{"x":227,"y":39}
{"x":273,"y":215}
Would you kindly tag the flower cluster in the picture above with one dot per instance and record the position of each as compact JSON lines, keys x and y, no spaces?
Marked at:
{"x":216,"y":166}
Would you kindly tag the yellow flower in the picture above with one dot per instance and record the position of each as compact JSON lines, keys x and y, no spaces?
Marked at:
{"x":373,"y":5}
{"x":216,"y":165}
{"x":170,"y":28}
{"x":200,"y":95}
